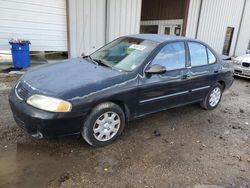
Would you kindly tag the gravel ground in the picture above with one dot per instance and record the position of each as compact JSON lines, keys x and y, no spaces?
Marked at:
{"x":194,"y":148}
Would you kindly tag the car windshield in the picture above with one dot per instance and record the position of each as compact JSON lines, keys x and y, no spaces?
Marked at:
{"x":124,"y":53}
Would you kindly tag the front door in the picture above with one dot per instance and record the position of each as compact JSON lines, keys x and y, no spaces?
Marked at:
{"x":162,"y":91}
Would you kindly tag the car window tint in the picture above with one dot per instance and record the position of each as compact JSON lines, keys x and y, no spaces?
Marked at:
{"x":198,"y":54}
{"x":211,"y":57}
{"x":172,"y":56}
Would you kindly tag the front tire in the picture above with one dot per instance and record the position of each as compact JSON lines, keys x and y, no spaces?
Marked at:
{"x":213,"y":97}
{"x":104,"y":124}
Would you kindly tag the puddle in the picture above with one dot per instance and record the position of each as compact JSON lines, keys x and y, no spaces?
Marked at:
{"x":30,"y":166}
{"x":106,"y":165}
{"x":40,"y":165}
{"x":207,"y":186}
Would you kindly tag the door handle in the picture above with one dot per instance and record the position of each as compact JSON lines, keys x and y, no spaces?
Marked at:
{"x":186,"y":76}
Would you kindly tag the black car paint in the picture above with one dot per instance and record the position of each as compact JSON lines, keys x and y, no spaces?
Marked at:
{"x":186,"y":82}
{"x":138,"y":94}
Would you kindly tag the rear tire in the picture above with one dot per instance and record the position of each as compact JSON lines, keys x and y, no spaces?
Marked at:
{"x":104,"y":124}
{"x":213,"y":97}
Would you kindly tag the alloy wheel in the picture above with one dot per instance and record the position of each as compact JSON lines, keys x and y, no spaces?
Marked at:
{"x":215,"y":96}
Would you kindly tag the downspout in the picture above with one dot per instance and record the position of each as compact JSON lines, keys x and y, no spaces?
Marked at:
{"x":187,"y":3}
{"x":68,"y":29}
{"x":198,"y":21}
{"x":241,"y":20}
{"x":106,"y":22}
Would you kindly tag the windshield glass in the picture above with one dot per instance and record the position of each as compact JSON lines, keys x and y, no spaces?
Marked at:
{"x":125,"y":53}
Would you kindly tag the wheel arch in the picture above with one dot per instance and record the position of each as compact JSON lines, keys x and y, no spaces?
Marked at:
{"x":124,"y":107}
{"x":221,"y":82}
{"x":120,"y":103}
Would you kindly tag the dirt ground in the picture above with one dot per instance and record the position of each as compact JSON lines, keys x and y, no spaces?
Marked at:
{"x":195,"y":148}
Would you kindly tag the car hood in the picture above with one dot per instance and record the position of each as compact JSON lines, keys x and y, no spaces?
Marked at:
{"x":71,"y":78}
{"x":243,"y":58}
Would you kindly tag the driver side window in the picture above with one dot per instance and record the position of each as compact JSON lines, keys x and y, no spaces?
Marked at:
{"x":172,"y":56}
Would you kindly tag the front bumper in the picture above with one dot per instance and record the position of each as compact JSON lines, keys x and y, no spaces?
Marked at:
{"x":241,"y":71}
{"x":40,"y":123}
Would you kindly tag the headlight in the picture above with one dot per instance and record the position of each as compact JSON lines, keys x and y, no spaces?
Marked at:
{"x":237,"y":62}
{"x":50,"y":104}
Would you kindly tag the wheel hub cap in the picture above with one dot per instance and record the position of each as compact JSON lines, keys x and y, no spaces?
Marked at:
{"x":215,"y":96}
{"x":106,"y":126}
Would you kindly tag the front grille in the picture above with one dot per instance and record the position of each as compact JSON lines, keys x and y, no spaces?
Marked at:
{"x":21,"y":91}
{"x":244,"y":64}
{"x":238,"y":71}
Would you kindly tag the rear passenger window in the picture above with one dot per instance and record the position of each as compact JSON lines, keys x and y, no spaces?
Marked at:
{"x":211,"y":57}
{"x":198,"y":54}
{"x":172,"y":56}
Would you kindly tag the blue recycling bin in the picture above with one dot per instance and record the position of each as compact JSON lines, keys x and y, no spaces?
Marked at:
{"x":20,"y":54}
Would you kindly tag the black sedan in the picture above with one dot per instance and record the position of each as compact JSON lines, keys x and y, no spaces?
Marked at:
{"x":128,"y":78}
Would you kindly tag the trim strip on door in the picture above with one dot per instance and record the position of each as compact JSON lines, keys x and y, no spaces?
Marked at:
{"x":164,"y":96}
{"x":200,"y":88}
{"x":174,"y":94}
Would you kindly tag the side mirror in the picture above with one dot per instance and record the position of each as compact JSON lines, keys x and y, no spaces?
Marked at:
{"x":156,"y":69}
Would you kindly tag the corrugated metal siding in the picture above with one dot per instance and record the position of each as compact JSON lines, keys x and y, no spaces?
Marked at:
{"x":87,"y":25}
{"x":93,"y":22}
{"x":215,"y":17}
{"x":193,"y":15}
{"x":123,"y":18}
{"x":244,"y":35}
{"x":43,"y":23}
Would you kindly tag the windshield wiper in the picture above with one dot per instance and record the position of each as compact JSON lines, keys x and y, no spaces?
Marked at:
{"x":100,"y":62}
{"x":96,"y":61}
{"x":92,"y":60}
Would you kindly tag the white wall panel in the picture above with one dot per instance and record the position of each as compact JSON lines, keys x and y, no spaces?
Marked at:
{"x":162,"y":22}
{"x":123,"y":18}
{"x":244,"y":34}
{"x":87,"y":25}
{"x":43,"y":23}
{"x":193,"y":15}
{"x":215,"y":17}
{"x":94,"y":23}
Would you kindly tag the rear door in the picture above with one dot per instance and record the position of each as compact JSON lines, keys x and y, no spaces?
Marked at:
{"x":203,"y":69}
{"x":162,"y":91}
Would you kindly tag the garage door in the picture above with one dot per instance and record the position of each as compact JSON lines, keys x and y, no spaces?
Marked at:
{"x":42,"y":22}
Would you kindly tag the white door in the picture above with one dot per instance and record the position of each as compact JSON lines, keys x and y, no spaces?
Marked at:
{"x":42,"y":22}
{"x":174,"y":30}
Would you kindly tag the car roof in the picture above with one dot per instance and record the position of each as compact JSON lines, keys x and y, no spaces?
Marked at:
{"x":165,"y":38}
{"x":158,"y":38}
